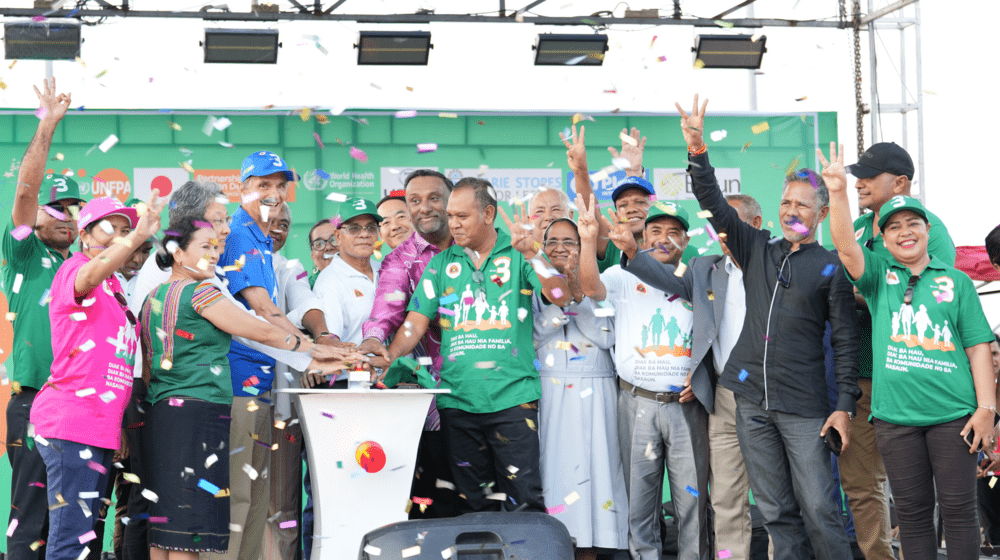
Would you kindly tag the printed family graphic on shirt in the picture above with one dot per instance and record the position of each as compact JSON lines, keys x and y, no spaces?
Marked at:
{"x":913,"y":325}
{"x":472,"y":309}
{"x":657,"y":328}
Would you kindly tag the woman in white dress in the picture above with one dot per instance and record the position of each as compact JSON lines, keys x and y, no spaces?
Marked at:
{"x":582,"y":477}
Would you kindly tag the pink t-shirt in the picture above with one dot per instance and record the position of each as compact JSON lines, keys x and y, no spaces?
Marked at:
{"x":93,"y":346}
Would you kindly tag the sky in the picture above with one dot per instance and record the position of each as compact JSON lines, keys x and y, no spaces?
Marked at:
{"x":156,"y":64}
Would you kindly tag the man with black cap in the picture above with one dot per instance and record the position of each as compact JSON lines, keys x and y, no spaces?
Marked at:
{"x":34,"y":242}
{"x":883,"y":171}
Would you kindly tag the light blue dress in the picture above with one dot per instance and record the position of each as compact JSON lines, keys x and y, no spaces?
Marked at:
{"x":582,"y":477}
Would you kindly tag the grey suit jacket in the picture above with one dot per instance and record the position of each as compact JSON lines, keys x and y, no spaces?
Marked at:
{"x":703,"y":274}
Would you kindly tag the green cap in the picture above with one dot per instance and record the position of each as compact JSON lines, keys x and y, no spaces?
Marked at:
{"x":132,"y":202}
{"x":897,"y":204}
{"x":408,"y":370}
{"x":58,"y":187}
{"x":670,"y":209}
{"x":354,"y":207}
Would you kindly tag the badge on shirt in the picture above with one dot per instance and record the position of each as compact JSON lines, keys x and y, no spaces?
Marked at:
{"x":891,"y":278}
{"x":453,"y":270}
{"x":859,"y":233}
{"x":357,"y":293}
{"x":640,"y":288}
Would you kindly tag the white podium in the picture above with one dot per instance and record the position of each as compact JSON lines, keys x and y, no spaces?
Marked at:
{"x":348,"y":501}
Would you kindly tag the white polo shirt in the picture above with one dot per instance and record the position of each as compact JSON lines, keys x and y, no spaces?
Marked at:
{"x":346,"y":297}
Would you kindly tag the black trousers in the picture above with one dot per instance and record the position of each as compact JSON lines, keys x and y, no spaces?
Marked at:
{"x":492,"y":454}
{"x":919,"y":461}
{"x":135,"y":543}
{"x":28,"y":502}
{"x":433,"y":465}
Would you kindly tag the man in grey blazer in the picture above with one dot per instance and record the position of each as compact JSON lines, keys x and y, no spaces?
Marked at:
{"x":714,"y":285}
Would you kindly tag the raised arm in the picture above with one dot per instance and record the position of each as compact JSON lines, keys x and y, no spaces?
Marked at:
{"x":632,"y":150}
{"x":554,"y":287}
{"x":662,"y":276}
{"x":841,"y":226}
{"x":740,"y":236}
{"x":576,"y":157}
{"x":51,"y":110}
{"x":112,"y":258}
{"x":590,"y":275}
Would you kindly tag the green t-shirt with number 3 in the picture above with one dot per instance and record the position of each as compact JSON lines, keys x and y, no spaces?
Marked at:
{"x":486,"y":327}
{"x":921,"y":374}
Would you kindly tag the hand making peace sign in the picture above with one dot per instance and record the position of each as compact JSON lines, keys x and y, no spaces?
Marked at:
{"x":693,"y":125}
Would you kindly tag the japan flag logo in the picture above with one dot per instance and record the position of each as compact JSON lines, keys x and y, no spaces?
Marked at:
{"x":891,"y":278}
{"x":164,"y":179}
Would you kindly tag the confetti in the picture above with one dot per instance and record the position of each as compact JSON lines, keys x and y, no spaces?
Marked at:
{"x":373,"y":550}
{"x":17,"y":283}
{"x":449,"y":552}
{"x":485,"y":365}
{"x":429,"y":288}
{"x":705,"y":214}
{"x":108,"y":143}
{"x":724,"y":24}
{"x":251,"y":472}
{"x":573,"y":497}
{"x":681,"y":269}
{"x":762,"y":127}
{"x":556,"y":293}
{"x":150,"y":495}
{"x":86,"y":393}
{"x":556,"y":509}
{"x":405,"y":114}
{"x":699,"y":64}
{"x":828,"y":270}
{"x":287,"y":524}
{"x":531,"y":424}
{"x":359,"y":154}
{"x":87,"y":537}
{"x":327,"y":413}
{"x":12,"y":527}
{"x":723,"y":554}
{"x":426,"y":148}
{"x":318,"y":141}
{"x":412,"y":551}
{"x":803,"y":98}
{"x":21,"y":232}
{"x":108,"y":396}
{"x":448,"y":115}
{"x":628,"y":139}
{"x":743,"y":375}
{"x":586,"y":393}
{"x":208,"y":487}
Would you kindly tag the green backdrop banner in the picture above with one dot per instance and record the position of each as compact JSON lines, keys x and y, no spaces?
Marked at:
{"x":369,"y":153}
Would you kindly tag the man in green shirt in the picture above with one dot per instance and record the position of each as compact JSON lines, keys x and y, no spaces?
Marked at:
{"x":885,"y":170}
{"x":34,"y":242}
{"x":490,"y":367}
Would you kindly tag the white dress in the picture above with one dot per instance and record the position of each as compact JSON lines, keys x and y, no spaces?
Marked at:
{"x":582,"y":477}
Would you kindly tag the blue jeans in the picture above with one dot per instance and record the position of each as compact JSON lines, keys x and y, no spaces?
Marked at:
{"x":789,"y":469}
{"x":308,"y":517}
{"x":68,"y":476}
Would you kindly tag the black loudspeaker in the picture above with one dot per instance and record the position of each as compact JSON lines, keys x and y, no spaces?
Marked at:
{"x":473,"y":536}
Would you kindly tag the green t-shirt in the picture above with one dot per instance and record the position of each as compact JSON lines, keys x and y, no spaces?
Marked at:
{"x":486,"y":327}
{"x":612,"y":256}
{"x":939,"y":244}
{"x":922,"y":376}
{"x":36,"y":264}
{"x":174,"y":330}
{"x":312,"y":278}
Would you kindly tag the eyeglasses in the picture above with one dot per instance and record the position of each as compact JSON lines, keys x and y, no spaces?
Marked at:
{"x":785,"y":281}
{"x":567,"y":243}
{"x":908,"y":294}
{"x":355,"y":229}
{"x":128,"y":312}
{"x":318,"y":243}
{"x":218,"y":222}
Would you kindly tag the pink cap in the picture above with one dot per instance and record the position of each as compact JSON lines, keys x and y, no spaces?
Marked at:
{"x":102,"y":207}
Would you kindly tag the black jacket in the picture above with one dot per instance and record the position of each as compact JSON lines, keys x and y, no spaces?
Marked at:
{"x":781,"y":346}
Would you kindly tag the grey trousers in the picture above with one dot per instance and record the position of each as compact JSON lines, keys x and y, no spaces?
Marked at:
{"x":789,"y":468}
{"x":653,"y":436}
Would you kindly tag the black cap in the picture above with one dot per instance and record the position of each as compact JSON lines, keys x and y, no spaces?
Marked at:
{"x":884,"y":157}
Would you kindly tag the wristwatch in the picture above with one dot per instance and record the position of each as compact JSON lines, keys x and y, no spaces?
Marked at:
{"x":851,"y":415}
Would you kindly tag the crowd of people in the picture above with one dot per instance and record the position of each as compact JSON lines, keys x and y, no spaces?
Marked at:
{"x":586,"y":360}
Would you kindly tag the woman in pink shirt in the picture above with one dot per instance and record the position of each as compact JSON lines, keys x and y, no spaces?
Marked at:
{"x":77,"y":415}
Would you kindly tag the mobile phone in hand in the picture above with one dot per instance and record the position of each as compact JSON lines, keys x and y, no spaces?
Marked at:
{"x":833,"y":440}
{"x":968,"y":441}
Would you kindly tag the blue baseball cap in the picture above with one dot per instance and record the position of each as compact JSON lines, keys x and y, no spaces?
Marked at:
{"x":633,"y":183}
{"x":259,"y":164}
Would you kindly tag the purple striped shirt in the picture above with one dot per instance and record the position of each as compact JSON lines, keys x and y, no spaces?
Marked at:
{"x":398,"y":279}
